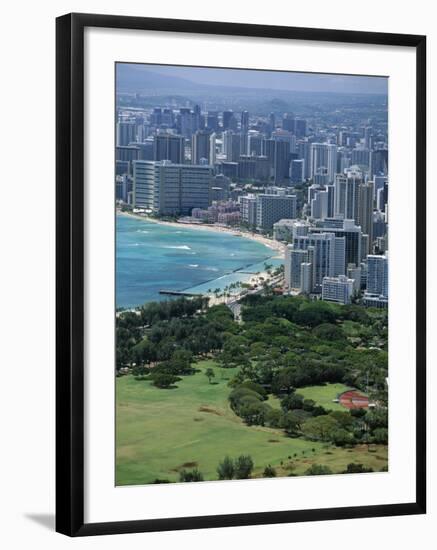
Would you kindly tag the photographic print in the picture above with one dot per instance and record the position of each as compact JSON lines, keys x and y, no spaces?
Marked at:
{"x":251,"y":274}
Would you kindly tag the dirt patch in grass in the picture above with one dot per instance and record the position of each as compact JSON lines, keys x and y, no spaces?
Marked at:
{"x":273,"y":441}
{"x":189,"y":465}
{"x":192,"y":464}
{"x":198,"y":419}
{"x":362,"y":448}
{"x":205,"y":409}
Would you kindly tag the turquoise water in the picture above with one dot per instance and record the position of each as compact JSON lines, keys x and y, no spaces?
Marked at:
{"x":151,"y":257}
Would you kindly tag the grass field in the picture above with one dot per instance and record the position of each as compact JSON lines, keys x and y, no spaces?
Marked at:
{"x":159,"y":432}
{"x":323,"y":395}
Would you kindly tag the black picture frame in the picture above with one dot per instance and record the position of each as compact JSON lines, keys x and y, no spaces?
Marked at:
{"x":70,"y":273}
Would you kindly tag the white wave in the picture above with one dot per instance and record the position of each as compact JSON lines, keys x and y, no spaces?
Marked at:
{"x":142,"y":231}
{"x":211,"y":268}
{"x":193,"y":265}
{"x":179,"y":247}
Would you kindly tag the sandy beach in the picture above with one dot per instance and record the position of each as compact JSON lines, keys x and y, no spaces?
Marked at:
{"x":271,"y":243}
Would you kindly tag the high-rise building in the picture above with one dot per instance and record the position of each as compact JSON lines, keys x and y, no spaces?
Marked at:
{"x":167,"y":118}
{"x":327,"y":256}
{"x":169,"y":147}
{"x":354,"y":273}
{"x":156,"y":116}
{"x":283,"y":135}
{"x":212,"y":121}
{"x":379,"y":162}
{"x":255,"y":144}
{"x":297,"y":171}
{"x":379,"y":224}
{"x":220,"y":188}
{"x":281,"y":166}
{"x":203,"y":147}
{"x":300,"y":127}
{"x":346,"y":229}
{"x":288,"y":122}
{"x":186,"y":122}
{"x":365,"y":211}
{"x":376,"y":294}
{"x":319,"y":205}
{"x":304,"y":152}
{"x":312,"y":192}
{"x":278,"y":154}
{"x":146,"y":149}
{"x":294,"y":258}
{"x":248,"y":209}
{"x":232,"y":146}
{"x":229,"y":121}
{"x":301,"y":229}
{"x":331,"y":197}
{"x":252,"y":167}
{"x":361,"y":157}
{"x":337,"y":289}
{"x":171,"y":189}
{"x":272,"y":122}
{"x":377,"y":275}
{"x":321,"y":177}
{"x":272,"y":208}
{"x":346,"y":195}
{"x":122,"y":167}
{"x":126,"y":133}
{"x":306,"y":276}
{"x":245,"y":122}
{"x":324,"y":155}
{"x":128,"y":152}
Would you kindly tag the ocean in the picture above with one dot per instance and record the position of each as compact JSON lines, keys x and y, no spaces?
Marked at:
{"x":151,"y":257}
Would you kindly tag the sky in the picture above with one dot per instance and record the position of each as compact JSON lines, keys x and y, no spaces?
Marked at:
{"x":275,"y":80}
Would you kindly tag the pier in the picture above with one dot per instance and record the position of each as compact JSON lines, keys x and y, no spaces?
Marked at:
{"x":178,"y":293}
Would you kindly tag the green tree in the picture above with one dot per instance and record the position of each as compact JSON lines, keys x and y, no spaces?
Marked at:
{"x":226,"y":469}
{"x":318,"y":470}
{"x":273,"y":418}
{"x":342,"y":437}
{"x":291,"y":423}
{"x":319,"y":428}
{"x":190,"y":476}
{"x":210,"y":374}
{"x":269,"y":471}
{"x":292,"y":401}
{"x":243,"y":467}
{"x":162,"y":380}
{"x":380,"y":435}
{"x":353,"y":468}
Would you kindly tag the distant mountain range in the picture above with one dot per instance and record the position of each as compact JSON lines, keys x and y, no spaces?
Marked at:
{"x":134,"y":79}
{"x":138,"y":78}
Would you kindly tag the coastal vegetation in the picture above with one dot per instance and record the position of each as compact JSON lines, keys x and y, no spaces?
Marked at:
{"x":200,"y":395}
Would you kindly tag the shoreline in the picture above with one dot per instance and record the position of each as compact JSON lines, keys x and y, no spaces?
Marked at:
{"x":269,"y":243}
{"x":255,"y":280}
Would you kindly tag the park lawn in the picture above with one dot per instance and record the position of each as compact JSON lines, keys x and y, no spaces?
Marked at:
{"x":337,"y":459}
{"x":324,"y":395}
{"x":159,"y":432}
